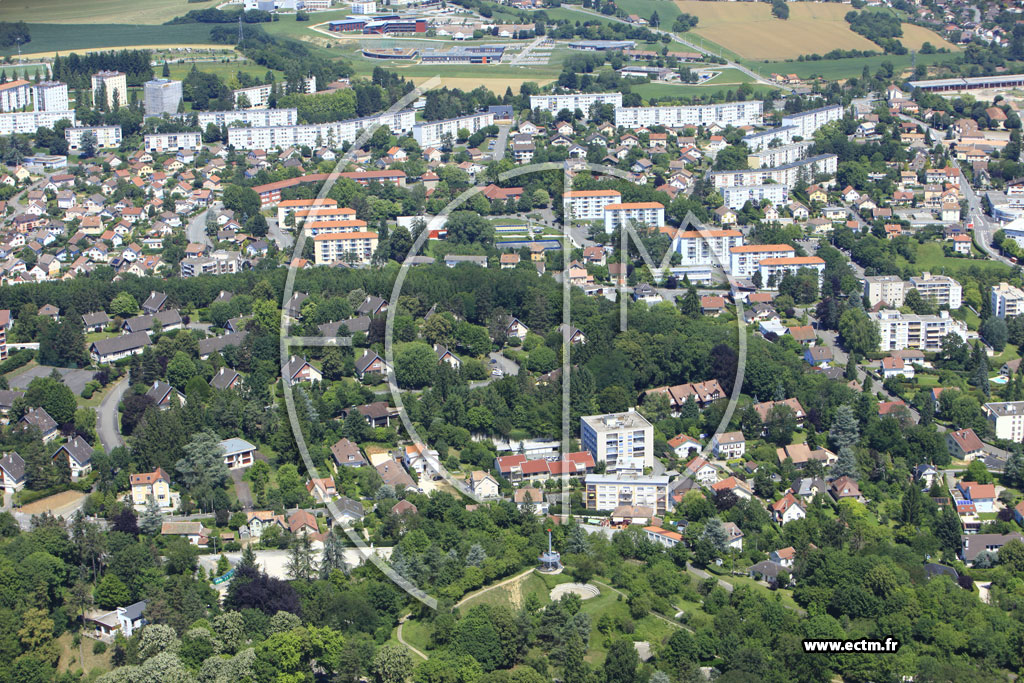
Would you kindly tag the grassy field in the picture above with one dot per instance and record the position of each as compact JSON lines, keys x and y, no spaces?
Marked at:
{"x":225,"y":70}
{"x":665,"y":90}
{"x":150,"y":12}
{"x":48,"y":38}
{"x":833,"y":69}
{"x":931,"y":258}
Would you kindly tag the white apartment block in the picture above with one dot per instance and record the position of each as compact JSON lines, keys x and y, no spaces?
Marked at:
{"x":747,"y":113}
{"x":607,"y":492}
{"x":1007,"y":300}
{"x":588,"y":205}
{"x":706,"y":247}
{"x":888,"y":288}
{"x":738,"y":195}
{"x":220,"y":262}
{"x":743,"y":259}
{"x":364,"y":7}
{"x":116,"y":85}
{"x":778,"y":156}
{"x":763,"y":139}
{"x":940,"y":290}
{"x":173,"y":142}
{"x":774,"y":269}
{"x":28,"y":121}
{"x":613,"y":436}
{"x":651,"y":214}
{"x":924,"y":332}
{"x":787,"y":174}
{"x":51,"y":96}
{"x":248,"y":117}
{"x":433,"y":133}
{"x":806,"y":122}
{"x":1007,"y":419}
{"x":259,"y":95}
{"x":332,"y":247}
{"x":15,"y":95}
{"x":106,"y":136}
{"x":574,"y":101}
{"x":332,"y":134}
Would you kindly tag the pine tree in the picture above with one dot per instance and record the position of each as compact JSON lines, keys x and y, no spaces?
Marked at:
{"x":166,"y":72}
{"x":851,"y":368}
{"x":301,"y":565}
{"x":151,"y":521}
{"x":845,"y":429}
{"x":476,"y":556}
{"x":334,"y":554}
{"x":576,"y":541}
{"x":911,"y":506}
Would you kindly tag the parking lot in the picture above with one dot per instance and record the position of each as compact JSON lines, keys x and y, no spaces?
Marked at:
{"x":74,"y":379}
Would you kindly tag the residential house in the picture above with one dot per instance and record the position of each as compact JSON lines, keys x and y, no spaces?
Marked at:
{"x":164,"y":396}
{"x":298,"y":370}
{"x":238,"y":453}
{"x":347,"y":454}
{"x":973,"y":545}
{"x":483,"y":485}
{"x":155,"y":485}
{"x":41,"y":420}
{"x":194,"y":532}
{"x":728,"y":445}
{"x":684,"y":445}
{"x":964,"y":444}
{"x":787,"y":509}
{"x":371,"y":362}
{"x":701,"y":471}
{"x":12,"y":472}
{"x":845,"y":487}
{"x":322,"y":489}
{"x":982,"y":496}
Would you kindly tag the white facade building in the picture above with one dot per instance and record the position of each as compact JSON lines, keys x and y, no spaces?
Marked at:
{"x":331,"y":134}
{"x":747,"y":113}
{"x":744,"y":259}
{"x":806,"y":122}
{"x":15,"y":95}
{"x":924,"y":332}
{"x":161,"y":96}
{"x":787,"y":174}
{"x":888,"y":288}
{"x":332,"y":247}
{"x":1007,"y":419}
{"x":607,"y":492}
{"x":574,"y":101}
{"x":1007,"y":300}
{"x":173,"y":142}
{"x":706,"y":247}
{"x":116,"y":85}
{"x":616,"y":436}
{"x":433,"y":133}
{"x":248,"y":117}
{"x":940,"y":290}
{"x":763,"y":139}
{"x":106,"y":136}
{"x":51,"y":96}
{"x":258,"y":96}
{"x":26,"y":122}
{"x":738,"y":195}
{"x":778,"y":156}
{"x":774,"y":269}
{"x":651,"y":214}
{"x":588,"y":205}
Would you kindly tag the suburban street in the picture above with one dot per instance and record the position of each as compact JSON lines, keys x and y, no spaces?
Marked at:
{"x":195,"y":231}
{"x":107,"y":424}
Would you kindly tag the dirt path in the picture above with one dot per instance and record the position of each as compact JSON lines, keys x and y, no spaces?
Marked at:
{"x":509,"y":580}
{"x":398,"y":634}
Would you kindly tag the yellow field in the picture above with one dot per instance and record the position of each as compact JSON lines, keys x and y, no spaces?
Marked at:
{"x":495,"y":85}
{"x":916,"y":36}
{"x":750,"y":30}
{"x":96,"y":11}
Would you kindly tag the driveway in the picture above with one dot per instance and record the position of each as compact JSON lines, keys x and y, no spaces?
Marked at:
{"x":242,"y":488}
{"x":284,"y":240}
{"x":107,"y":424}
{"x":498,"y":361}
{"x":74,"y":379}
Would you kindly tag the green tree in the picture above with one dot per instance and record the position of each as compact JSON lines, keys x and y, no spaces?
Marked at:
{"x":858,"y":333}
{"x":111,"y":592}
{"x":180,"y":369}
{"x":151,"y":520}
{"x":414,"y":365}
{"x":242,"y":200}
{"x":203,"y":465}
{"x":621,"y":662}
{"x":391,"y":664}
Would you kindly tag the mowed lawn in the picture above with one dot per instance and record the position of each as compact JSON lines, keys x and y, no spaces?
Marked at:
{"x":750,"y":30}
{"x":97,"y":11}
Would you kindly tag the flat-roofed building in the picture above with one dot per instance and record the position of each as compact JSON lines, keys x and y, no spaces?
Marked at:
{"x":50,"y":96}
{"x":610,"y":491}
{"x":614,"y":436}
{"x":705,"y":247}
{"x":900,"y":331}
{"x":807,"y":122}
{"x":27,"y":122}
{"x":748,"y":113}
{"x":114,"y":84}
{"x":173,"y":142}
{"x":1007,"y":300}
{"x":884,"y":288}
{"x":574,"y":101}
{"x":940,"y":290}
{"x":774,"y":269}
{"x":334,"y":247}
{"x":651,"y":214}
{"x":588,"y":205}
{"x":744,"y":259}
{"x":161,"y":96}
{"x":105,"y":136}
{"x":433,"y":133}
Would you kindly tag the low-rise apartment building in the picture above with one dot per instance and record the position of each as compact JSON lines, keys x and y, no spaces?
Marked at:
{"x":884,"y":288}
{"x":1006,"y":419}
{"x":774,"y":269}
{"x":1007,"y":300}
{"x":705,"y":247}
{"x":900,"y":331}
{"x":106,"y":136}
{"x":651,"y":214}
{"x":744,"y":259}
{"x":173,"y":142}
{"x":940,"y":290}
{"x":610,"y":491}
{"x":588,"y":205}
{"x":332,"y":247}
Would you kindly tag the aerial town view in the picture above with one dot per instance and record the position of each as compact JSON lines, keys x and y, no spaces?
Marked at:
{"x":518,"y":341}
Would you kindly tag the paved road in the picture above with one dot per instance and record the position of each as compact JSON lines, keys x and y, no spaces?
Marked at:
{"x":242,"y":489}
{"x":498,"y":153}
{"x":107,"y":425}
{"x":283,"y":239}
{"x":507,"y":366}
{"x":195,"y":230}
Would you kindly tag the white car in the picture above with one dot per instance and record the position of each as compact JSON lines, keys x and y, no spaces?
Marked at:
{"x":496,"y":372}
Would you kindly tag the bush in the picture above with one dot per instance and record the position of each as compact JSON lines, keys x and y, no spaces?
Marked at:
{"x":99,"y":647}
{"x":23,"y":357}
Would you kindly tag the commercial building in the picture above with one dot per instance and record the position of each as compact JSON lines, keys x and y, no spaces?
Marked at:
{"x":396,"y":25}
{"x":106,"y":136}
{"x":744,"y":259}
{"x":464,"y":54}
{"x":778,"y":156}
{"x":774,"y":269}
{"x":1007,"y":300}
{"x":26,"y":122}
{"x":889,"y":289}
{"x":173,"y":142}
{"x":15,"y":95}
{"x":787,"y":174}
{"x":924,"y":332}
{"x":50,"y":96}
{"x":248,"y":117}
{"x":1006,"y":419}
{"x":332,"y":247}
{"x":738,"y":195}
{"x":940,"y":290}
{"x":608,"y":492}
{"x":161,"y":96}
{"x":588,"y":205}
{"x":114,"y":83}
{"x":806,"y":122}
{"x":616,"y":436}
{"x":747,"y":113}
{"x":643,"y":213}
{"x":705,"y":247}
{"x":1003,"y":82}
{"x":332,"y":134}
{"x":574,"y":101}
{"x":433,"y":133}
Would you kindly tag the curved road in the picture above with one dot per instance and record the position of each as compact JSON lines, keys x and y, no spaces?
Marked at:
{"x":106,"y":418}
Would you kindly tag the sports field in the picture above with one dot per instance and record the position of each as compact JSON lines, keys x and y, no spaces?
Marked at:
{"x":97,"y":11}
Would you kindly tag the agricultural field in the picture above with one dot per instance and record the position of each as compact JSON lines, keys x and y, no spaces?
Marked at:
{"x":836,"y":69}
{"x":50,"y":38}
{"x":150,"y":12}
{"x":667,"y":90}
{"x":915,"y":36}
{"x":750,"y":30}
